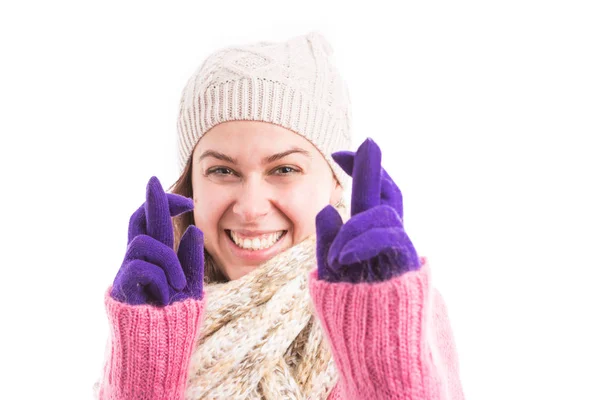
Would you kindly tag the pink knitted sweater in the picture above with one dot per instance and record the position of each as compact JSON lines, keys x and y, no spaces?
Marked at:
{"x":390,"y":340}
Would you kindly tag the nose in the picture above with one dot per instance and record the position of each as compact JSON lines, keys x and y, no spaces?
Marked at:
{"x":252,"y":201}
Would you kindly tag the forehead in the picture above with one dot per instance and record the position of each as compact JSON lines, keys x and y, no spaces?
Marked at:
{"x":251,"y":138}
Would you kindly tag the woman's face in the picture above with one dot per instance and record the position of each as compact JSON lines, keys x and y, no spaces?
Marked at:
{"x":257,"y":190}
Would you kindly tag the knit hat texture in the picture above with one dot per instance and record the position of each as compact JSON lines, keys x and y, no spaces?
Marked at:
{"x":293,"y":84}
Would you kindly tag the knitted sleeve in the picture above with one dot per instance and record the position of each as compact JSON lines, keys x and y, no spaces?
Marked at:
{"x":148,"y":350}
{"x":390,"y":340}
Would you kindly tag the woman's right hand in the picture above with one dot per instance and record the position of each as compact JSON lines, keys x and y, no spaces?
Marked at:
{"x":151,"y":272}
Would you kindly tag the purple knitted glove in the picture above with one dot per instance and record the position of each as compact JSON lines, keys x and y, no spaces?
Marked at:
{"x":372,"y":246}
{"x":151,"y":272}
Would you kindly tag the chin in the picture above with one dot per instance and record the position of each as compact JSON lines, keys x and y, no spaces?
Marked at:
{"x":240,"y":272}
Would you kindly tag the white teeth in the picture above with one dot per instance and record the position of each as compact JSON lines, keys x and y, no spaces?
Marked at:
{"x":256,"y":243}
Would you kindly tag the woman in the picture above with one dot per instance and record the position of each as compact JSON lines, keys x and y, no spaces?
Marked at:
{"x":270,"y":288}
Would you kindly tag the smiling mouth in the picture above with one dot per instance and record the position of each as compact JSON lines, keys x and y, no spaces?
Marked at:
{"x":261,"y":242}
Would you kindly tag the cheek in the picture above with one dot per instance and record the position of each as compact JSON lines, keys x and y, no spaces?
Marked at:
{"x":316,"y":193}
{"x":208,"y":210}
{"x":301,"y":205}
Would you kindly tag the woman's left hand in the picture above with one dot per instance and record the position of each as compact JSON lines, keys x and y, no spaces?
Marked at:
{"x":372,"y":245}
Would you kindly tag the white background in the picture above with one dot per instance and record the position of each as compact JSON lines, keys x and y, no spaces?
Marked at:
{"x":488,"y":114}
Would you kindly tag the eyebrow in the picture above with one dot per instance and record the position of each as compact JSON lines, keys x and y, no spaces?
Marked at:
{"x":266,"y":160}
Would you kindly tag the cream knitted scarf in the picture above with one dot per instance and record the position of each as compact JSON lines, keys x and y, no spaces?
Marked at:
{"x":259,"y":337}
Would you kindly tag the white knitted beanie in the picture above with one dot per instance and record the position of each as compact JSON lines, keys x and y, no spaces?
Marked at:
{"x":293,"y":84}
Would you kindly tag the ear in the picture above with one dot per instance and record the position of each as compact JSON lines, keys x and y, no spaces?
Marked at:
{"x":337,"y":192}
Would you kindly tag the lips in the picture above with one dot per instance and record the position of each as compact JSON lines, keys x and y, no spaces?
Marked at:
{"x":254,"y":240}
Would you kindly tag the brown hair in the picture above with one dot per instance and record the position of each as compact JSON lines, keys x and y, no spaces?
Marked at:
{"x":183,"y":187}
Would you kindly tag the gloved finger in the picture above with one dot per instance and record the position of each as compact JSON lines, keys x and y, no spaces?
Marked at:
{"x":381,"y":217}
{"x":144,"y":247}
{"x":390,"y":192}
{"x":177,"y":205}
{"x":328,"y":224}
{"x":158,"y":219}
{"x":345,"y":159}
{"x":366,"y":178}
{"x":191,"y":257}
{"x":140,"y":282}
{"x":393,"y":241}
